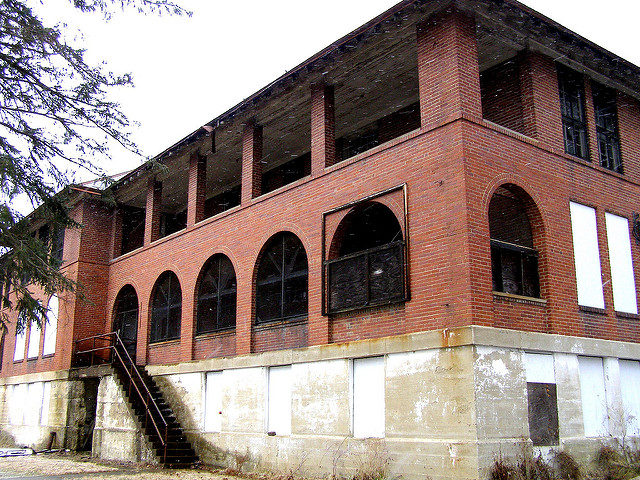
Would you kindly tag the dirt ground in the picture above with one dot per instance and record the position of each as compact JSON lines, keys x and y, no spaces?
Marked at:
{"x":64,"y":466}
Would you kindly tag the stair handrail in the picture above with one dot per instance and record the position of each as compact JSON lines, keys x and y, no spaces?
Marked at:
{"x":163,"y":438}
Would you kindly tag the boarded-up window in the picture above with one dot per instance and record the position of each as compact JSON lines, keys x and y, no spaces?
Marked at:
{"x":46,"y":402}
{"x":542,"y":400}
{"x":279,"y":400}
{"x":21,"y":338}
{"x":213,"y":402}
{"x":51,"y":327}
{"x":622,"y":278}
{"x":630,"y":389}
{"x":34,"y":341}
{"x":16,"y":404}
{"x":586,"y":255}
{"x":368,"y":397}
{"x":593,"y":396}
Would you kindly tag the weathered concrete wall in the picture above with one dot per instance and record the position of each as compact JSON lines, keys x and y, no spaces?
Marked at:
{"x":117,"y":434}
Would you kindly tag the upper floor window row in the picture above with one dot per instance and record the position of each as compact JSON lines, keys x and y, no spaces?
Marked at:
{"x":574,"y":121}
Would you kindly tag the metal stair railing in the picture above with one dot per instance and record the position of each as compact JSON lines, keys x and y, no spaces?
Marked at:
{"x":116,"y":348}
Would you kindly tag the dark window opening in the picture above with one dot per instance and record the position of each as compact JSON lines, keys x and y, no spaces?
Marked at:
{"x":57,"y":244}
{"x":574,"y":125}
{"x":286,"y":173}
{"x":216,"y":296}
{"x":369,"y":269}
{"x":543,"y":414}
{"x":514,"y":261}
{"x":221,"y":202}
{"x":282,"y":280}
{"x":133,"y":220}
{"x":166,"y":310}
{"x":606,"y":113}
{"x":125,"y":320}
{"x":172,"y":223}
{"x":378,"y":132}
{"x":501,"y":95}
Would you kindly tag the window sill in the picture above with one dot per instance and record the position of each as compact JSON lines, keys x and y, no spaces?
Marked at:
{"x":280,"y":323}
{"x":48,"y":355}
{"x":633,"y":316}
{"x":216,"y":333}
{"x":520,"y":298}
{"x":599,"y":311}
{"x":161,"y":343}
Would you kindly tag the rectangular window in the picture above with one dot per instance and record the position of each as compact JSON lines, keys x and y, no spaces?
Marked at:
{"x":33,"y":406}
{"x":17,"y":403}
{"x":34,"y":341}
{"x":622,"y":277}
{"x":593,"y":396}
{"x":57,"y":244}
{"x":46,"y":402}
{"x":542,"y":399}
{"x":574,"y":125}
{"x":368,"y":397}
{"x":630,"y":389}
{"x":21,"y":339}
{"x":213,"y":402}
{"x":586,"y":255}
{"x":606,"y":112}
{"x":279,"y":400}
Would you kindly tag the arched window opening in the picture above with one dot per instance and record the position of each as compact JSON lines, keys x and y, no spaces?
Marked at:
{"x":125,"y":319}
{"x":216,"y":295}
{"x":369,"y":269}
{"x":166,"y":310}
{"x":514,"y":260}
{"x":281,"y":281}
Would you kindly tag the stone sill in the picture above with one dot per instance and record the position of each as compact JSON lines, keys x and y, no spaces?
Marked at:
{"x":519,"y":299}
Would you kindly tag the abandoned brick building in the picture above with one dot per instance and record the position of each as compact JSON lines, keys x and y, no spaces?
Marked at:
{"x":416,"y":246}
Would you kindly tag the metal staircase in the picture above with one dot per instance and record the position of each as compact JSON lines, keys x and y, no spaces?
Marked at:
{"x":154,"y":414}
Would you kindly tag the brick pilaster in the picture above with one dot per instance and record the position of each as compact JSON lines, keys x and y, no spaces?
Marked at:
{"x":197,"y":188}
{"x":251,"y":162}
{"x":323,"y":144}
{"x":448,"y":72}
{"x":153,"y":212}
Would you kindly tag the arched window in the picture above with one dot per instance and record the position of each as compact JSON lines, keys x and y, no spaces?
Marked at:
{"x":51,"y":327}
{"x":166,"y":309}
{"x":281,"y":281}
{"x":125,"y":317}
{"x":514,"y":259}
{"x":216,"y":295}
{"x":366,"y":265}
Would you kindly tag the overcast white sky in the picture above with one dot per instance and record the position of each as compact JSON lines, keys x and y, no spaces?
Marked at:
{"x":189,"y":70}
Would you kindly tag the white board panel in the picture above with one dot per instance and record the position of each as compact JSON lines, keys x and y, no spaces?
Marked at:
{"x":46,"y":401}
{"x":51,"y":327}
{"x":593,"y":397}
{"x":34,"y":341}
{"x":279,"y":400}
{"x":18,"y":403}
{"x":33,"y":406}
{"x":213,"y":402}
{"x":368,"y":397}
{"x":539,"y":368}
{"x":622,"y":278}
{"x":630,"y":390}
{"x":21,"y":339}
{"x":586,"y":256}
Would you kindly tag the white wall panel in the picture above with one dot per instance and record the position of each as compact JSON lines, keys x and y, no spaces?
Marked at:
{"x":51,"y":327}
{"x":33,"y":406}
{"x":18,"y":353}
{"x":368,"y":397}
{"x":17,"y":404}
{"x":46,"y":401}
{"x":622,"y":278}
{"x":213,"y":402}
{"x":586,"y":256}
{"x":34,"y":341}
{"x":279,"y":400}
{"x":630,"y":389}
{"x":539,"y":368}
{"x":593,"y":397}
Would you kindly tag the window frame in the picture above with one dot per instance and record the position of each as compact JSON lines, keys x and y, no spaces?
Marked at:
{"x":165,"y":310}
{"x":572,"y":110}
{"x":524,"y":253}
{"x":605,"y":108}
{"x":216,"y":260}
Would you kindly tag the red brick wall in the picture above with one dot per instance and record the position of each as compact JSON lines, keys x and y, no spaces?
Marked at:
{"x":501,"y":95}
